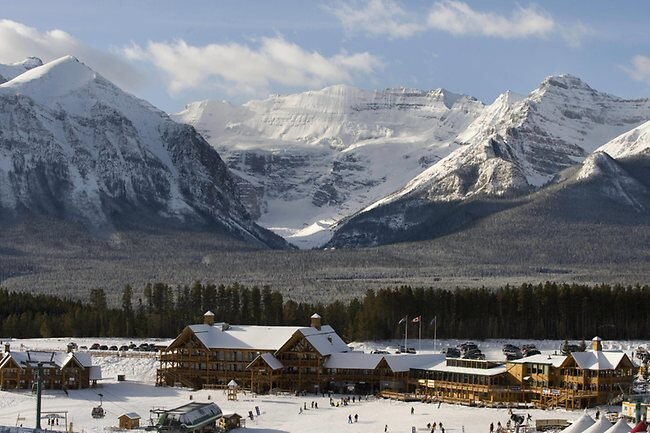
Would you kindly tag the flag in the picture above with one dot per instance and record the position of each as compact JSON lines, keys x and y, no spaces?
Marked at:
{"x":416,"y":319}
{"x":402,"y":321}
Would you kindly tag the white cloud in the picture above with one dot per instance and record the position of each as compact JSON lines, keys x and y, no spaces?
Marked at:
{"x":459,"y":18}
{"x":241,"y":68}
{"x":18,"y":41}
{"x":640,"y":70}
{"x":377,"y":17}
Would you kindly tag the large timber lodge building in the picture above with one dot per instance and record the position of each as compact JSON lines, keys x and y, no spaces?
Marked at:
{"x":316,"y":359}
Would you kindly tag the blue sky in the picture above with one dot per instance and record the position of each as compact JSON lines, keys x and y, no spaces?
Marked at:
{"x":172,"y":52}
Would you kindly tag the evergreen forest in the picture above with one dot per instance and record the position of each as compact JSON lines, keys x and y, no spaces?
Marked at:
{"x":543,"y":311}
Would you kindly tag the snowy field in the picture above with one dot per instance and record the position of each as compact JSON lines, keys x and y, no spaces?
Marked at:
{"x":278,"y":413}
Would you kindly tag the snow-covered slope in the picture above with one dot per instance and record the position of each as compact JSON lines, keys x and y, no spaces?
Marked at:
{"x":634,"y":142}
{"x":513,"y":148}
{"x":73,"y":145}
{"x":9,"y":72}
{"x":307,"y":160}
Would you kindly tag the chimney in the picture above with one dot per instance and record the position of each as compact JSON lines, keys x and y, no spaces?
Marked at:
{"x":208,"y":318}
{"x":597,"y":344}
{"x":316,"y":321}
{"x":7,"y":348}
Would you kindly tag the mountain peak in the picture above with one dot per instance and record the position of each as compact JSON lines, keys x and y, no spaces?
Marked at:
{"x":564,"y":81}
{"x":54,"y":79}
{"x":597,"y":164}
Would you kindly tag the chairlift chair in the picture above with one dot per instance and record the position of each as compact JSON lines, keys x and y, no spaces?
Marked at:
{"x":98,"y":411}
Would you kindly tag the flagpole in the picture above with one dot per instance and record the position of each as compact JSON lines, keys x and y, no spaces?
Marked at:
{"x":420,"y":336}
{"x":435,"y":326}
{"x":406,"y":332}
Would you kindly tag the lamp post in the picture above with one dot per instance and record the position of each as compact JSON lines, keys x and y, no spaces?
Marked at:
{"x":39,"y":390}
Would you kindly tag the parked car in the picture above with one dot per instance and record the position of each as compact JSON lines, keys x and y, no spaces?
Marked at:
{"x":113,"y":348}
{"x":124,"y":348}
{"x":103,"y":347}
{"x":95,"y":346}
{"x":83,"y":347}
{"x":451,"y":352}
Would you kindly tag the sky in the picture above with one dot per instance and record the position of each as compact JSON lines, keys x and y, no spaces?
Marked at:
{"x":172,"y":53}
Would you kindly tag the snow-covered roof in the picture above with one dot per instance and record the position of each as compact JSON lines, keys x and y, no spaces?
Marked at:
{"x":600,"y":426}
{"x":243,"y":336}
{"x":581,"y":424}
{"x":353,"y":360}
{"x":271,"y":361}
{"x":84,"y":358}
{"x":598,"y":360}
{"x":130,"y":415}
{"x":232,"y":384}
{"x":209,"y":313}
{"x":621,"y":426}
{"x":195,"y":414}
{"x":95,"y":373}
{"x":554,"y":360}
{"x":49,"y":359}
{"x":404,"y":362}
{"x":440,"y":364}
{"x":325,"y":340}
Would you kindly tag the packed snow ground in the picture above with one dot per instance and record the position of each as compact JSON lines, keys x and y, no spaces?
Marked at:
{"x":278,"y":413}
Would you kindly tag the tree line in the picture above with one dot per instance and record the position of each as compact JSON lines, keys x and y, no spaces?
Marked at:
{"x":542,"y":311}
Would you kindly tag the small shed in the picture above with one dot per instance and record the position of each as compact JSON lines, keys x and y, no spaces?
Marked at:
{"x":233,"y":387}
{"x":231,"y":421}
{"x":129,"y":420}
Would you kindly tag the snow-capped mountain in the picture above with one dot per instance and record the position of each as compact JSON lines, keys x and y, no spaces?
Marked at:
{"x":305,"y":161}
{"x":9,"y":72}
{"x":74,"y":146}
{"x":514,"y":147}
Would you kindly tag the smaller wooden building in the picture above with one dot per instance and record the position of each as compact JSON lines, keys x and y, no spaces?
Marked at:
{"x":129,"y":420}
{"x":230,"y":421}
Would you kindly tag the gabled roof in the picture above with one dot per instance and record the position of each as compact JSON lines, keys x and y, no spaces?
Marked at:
{"x":270,"y":360}
{"x":251,"y":337}
{"x":324,"y":340}
{"x":598,"y":360}
{"x":266,"y":338}
{"x":130,"y":415}
{"x":49,"y":359}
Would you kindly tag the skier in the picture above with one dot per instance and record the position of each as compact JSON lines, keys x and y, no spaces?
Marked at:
{"x":349,"y":419}
{"x":356,"y":417}
{"x":412,"y":410}
{"x":491,"y":427}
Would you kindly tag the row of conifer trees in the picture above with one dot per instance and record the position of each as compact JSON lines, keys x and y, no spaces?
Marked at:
{"x":543,"y":311}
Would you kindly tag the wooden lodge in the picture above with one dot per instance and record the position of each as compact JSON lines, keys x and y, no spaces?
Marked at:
{"x":71,"y":370}
{"x":578,"y":380}
{"x":316,"y":359}
{"x":259,"y":358}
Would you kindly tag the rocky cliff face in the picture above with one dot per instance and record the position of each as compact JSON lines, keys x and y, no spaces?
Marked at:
{"x":74,"y":146}
{"x":516,"y":146}
{"x":310,"y":159}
